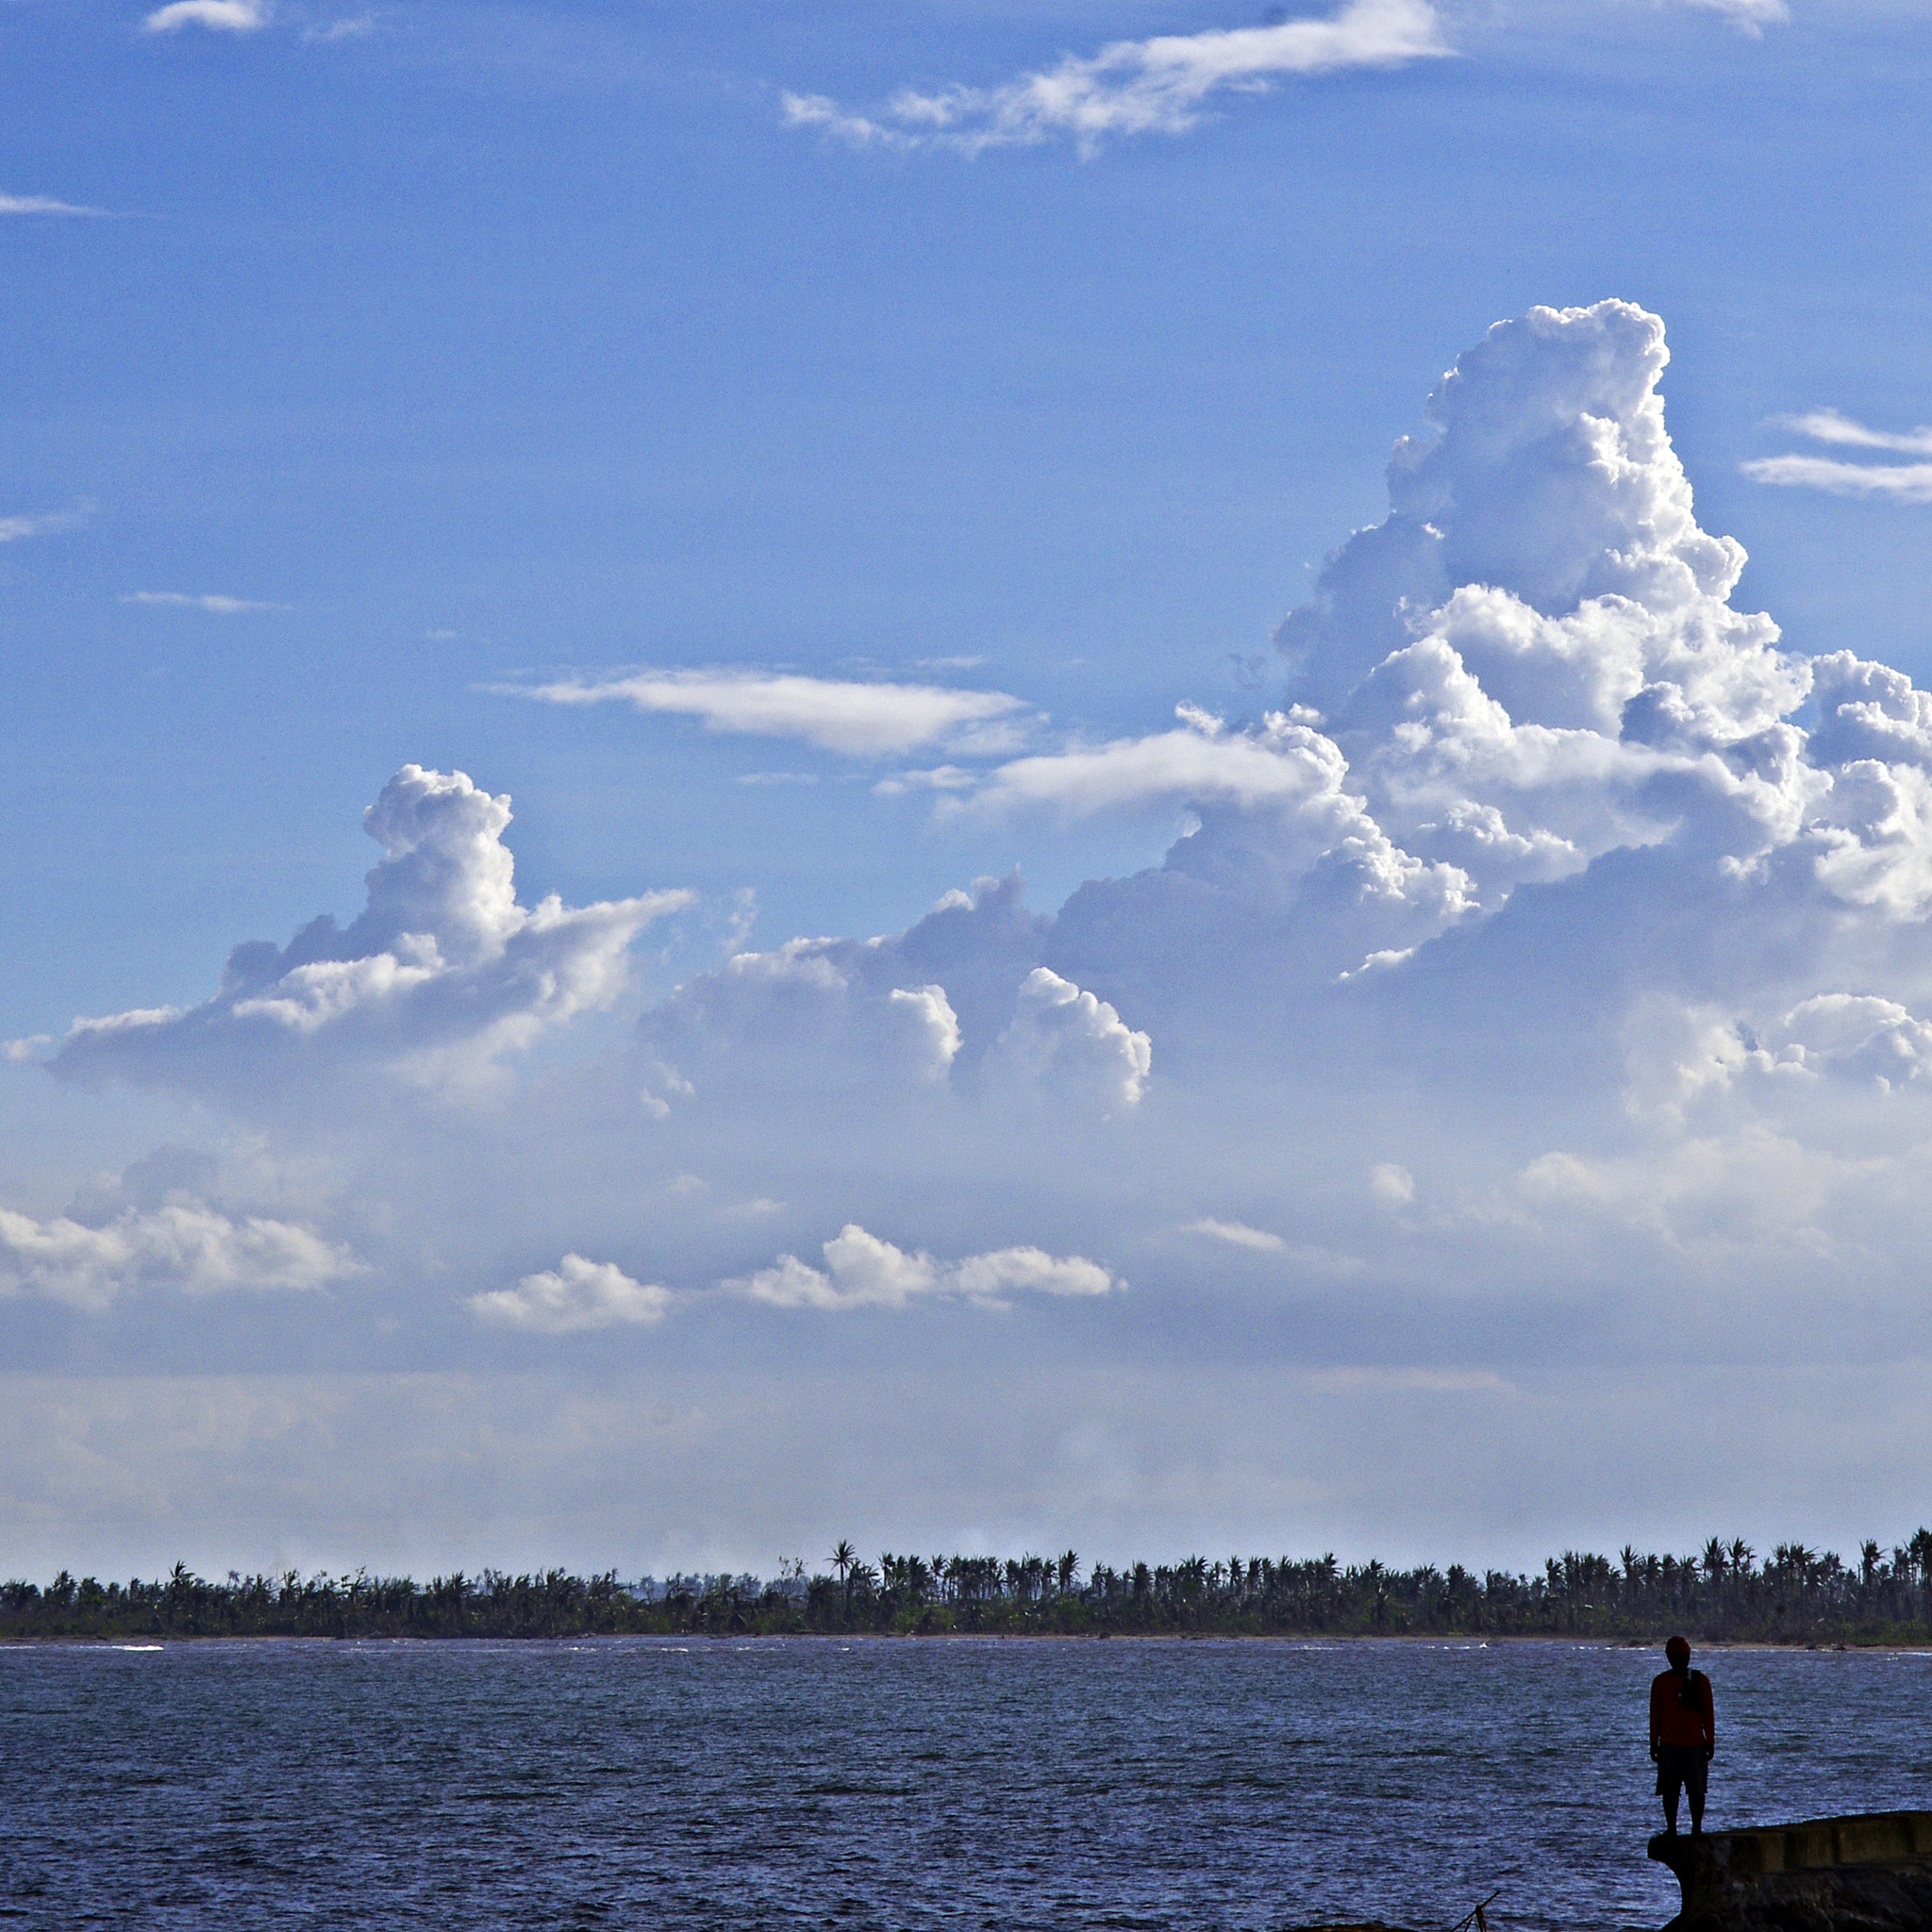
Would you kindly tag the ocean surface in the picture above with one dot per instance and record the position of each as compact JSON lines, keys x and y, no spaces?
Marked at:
{"x":880,"y":1783}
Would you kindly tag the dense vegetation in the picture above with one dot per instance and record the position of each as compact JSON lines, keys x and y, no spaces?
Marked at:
{"x":1795,"y":1596}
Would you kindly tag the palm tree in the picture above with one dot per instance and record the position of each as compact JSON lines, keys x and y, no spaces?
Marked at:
{"x":1069,"y":1568}
{"x":843,"y":1558}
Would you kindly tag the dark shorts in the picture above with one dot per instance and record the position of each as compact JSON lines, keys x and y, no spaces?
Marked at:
{"x":1681,"y":1764}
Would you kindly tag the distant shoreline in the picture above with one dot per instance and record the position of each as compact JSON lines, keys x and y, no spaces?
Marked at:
{"x":1797,"y":1599}
{"x":1300,"y":1640}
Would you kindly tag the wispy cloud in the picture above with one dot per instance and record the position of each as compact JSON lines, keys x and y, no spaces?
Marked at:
{"x":1827,"y":426}
{"x":1155,"y":86}
{"x":1747,"y":16}
{"x":1257,"y":1240}
{"x":224,"y":16}
{"x":1238,"y":1234}
{"x":866,"y":719}
{"x":46,"y":205}
{"x":13,"y":528}
{"x":358,"y":28}
{"x":223,"y":607}
{"x":1902,"y":482}
{"x":1410,"y":1381}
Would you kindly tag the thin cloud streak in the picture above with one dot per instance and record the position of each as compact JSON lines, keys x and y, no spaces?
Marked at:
{"x":1748,"y":17}
{"x":863,"y":720}
{"x":1903,"y":482}
{"x":1829,"y":425}
{"x":180,"y":600}
{"x":12,"y":529}
{"x":1156,"y":86}
{"x":46,"y":205}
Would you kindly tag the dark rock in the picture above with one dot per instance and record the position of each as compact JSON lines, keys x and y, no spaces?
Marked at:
{"x":1870,"y":1873}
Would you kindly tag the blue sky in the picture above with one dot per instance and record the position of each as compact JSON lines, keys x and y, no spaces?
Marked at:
{"x":457,"y":351}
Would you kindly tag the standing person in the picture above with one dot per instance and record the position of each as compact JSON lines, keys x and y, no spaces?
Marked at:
{"x":1683,"y":1734}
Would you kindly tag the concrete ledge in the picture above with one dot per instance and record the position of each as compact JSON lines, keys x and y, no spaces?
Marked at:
{"x":1871,"y":1872}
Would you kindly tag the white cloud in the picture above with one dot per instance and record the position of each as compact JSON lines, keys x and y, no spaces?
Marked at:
{"x":224,"y":16}
{"x":861,"y":720}
{"x":222,"y":606}
{"x":443,"y":971}
{"x":1830,"y":425}
{"x":1907,"y":482}
{"x":863,"y":1271}
{"x":1282,"y":760}
{"x":1302,"y":1257}
{"x":13,"y":528}
{"x":1377,"y":1380}
{"x":1641,"y":892}
{"x":181,"y":1244}
{"x":1392,"y":1185}
{"x":1159,"y":86}
{"x":1066,"y":1037}
{"x":357,"y":28}
{"x":44,"y":205}
{"x":1749,"y":17}
{"x":1238,"y":1234}
{"x":29,"y":1047}
{"x":574,"y":1296}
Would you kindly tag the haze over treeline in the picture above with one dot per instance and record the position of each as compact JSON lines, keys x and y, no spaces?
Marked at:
{"x":1723,"y":1592}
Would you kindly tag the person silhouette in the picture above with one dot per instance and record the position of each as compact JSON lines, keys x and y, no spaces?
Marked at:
{"x":1683,"y":1734}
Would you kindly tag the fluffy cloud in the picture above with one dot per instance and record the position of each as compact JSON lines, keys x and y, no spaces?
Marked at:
{"x":185,"y":1245}
{"x":863,"y":1271}
{"x":576,"y":1295}
{"x":1159,"y":86}
{"x":1545,"y":957}
{"x":864,"y":719}
{"x":1065,"y":1037}
{"x":443,"y":971}
{"x":223,"y":16}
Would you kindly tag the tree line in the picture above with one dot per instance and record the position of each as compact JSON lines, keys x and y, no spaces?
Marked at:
{"x":1722,"y":1592}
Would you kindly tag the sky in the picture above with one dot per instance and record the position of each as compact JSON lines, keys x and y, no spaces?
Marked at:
{"x":1121,"y":776}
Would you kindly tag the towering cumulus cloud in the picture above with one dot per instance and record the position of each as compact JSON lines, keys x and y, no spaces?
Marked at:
{"x":1533,"y":1023}
{"x":440,"y":973}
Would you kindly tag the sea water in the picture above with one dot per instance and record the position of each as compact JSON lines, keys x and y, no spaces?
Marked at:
{"x":896,"y":1783}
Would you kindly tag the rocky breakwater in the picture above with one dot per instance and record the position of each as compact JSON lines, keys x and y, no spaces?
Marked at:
{"x":1870,"y":1873}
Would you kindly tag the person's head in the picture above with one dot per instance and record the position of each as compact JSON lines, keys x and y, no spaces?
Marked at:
{"x":1678,"y":1651}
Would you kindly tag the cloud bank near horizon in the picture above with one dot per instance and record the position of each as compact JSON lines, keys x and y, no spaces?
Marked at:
{"x":1528,"y":983}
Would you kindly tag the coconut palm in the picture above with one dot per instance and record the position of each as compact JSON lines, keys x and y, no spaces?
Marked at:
{"x":843,"y":1558}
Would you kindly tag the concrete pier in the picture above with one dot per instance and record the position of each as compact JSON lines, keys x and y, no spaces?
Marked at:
{"x":1867,"y":1872}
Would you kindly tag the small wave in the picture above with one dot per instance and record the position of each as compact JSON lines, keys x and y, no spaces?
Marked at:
{"x":137,"y":1647}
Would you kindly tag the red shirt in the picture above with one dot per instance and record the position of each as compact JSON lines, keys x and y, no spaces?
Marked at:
{"x":1669,"y":1723}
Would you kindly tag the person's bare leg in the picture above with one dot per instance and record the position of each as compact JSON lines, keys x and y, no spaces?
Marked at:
{"x":1696,"y":1813}
{"x":1671,"y":1812}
